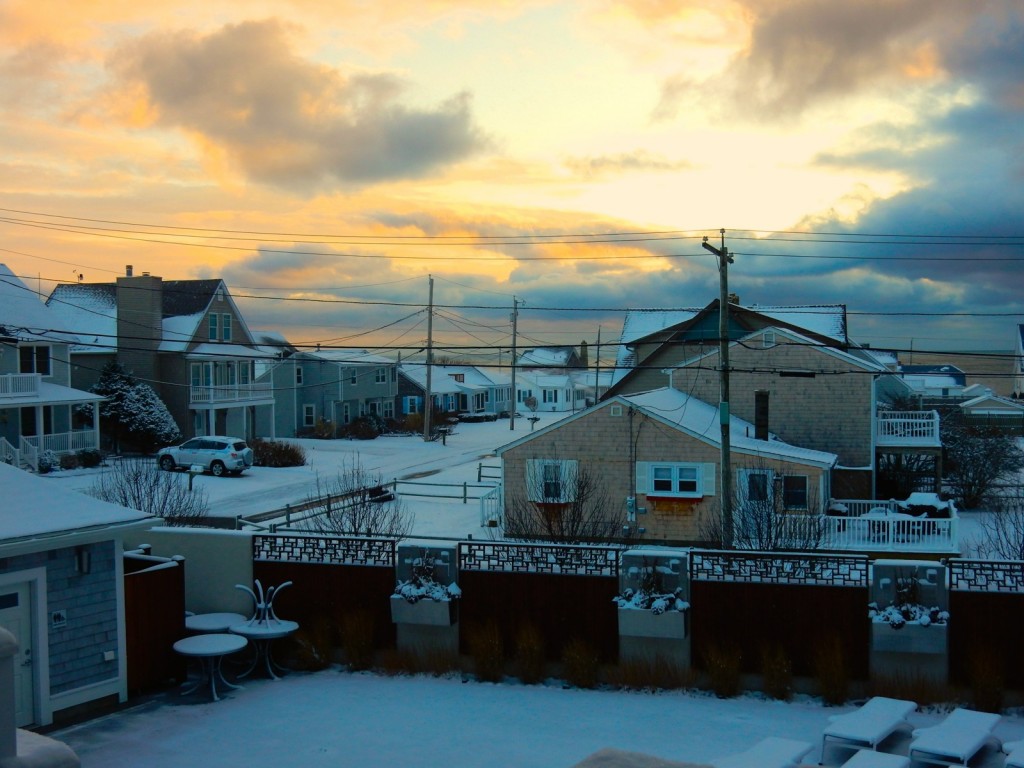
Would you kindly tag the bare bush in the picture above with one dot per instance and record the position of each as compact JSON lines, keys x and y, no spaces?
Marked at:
{"x":978,"y":460}
{"x":140,"y":484}
{"x":357,"y":502}
{"x":1002,"y":531}
{"x":580,"y":513}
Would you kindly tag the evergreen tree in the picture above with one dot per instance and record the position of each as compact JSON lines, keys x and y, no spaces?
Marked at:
{"x":133,"y":411}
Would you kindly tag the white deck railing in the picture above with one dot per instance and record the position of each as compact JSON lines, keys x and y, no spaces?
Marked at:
{"x":231,"y":393}
{"x":9,"y":454}
{"x":63,"y":442}
{"x":874,"y":525}
{"x":490,"y":507}
{"x":907,"y":428}
{"x":19,"y":384}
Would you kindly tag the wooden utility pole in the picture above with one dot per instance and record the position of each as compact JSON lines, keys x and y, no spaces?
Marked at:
{"x":428,"y":399}
{"x":724,"y":260}
{"x":515,"y":400}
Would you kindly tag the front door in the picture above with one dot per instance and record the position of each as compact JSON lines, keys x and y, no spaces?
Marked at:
{"x":15,"y":617}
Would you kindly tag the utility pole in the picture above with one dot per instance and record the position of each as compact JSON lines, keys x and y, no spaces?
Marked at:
{"x":515,"y":400}
{"x":428,"y":400}
{"x":724,"y":260}
{"x":597,"y":368}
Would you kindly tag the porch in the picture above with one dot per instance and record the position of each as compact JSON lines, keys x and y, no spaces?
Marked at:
{"x":254,"y":393}
{"x":886,"y":526}
{"x":907,"y":429}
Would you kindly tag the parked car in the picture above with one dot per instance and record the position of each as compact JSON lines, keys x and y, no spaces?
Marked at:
{"x":214,"y":453}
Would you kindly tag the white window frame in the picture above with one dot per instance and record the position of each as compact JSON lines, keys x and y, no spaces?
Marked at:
{"x":225,"y":327}
{"x":551,"y":481}
{"x":213,"y":324}
{"x":308,"y":415}
{"x":675,"y":474}
{"x":298,"y":375}
{"x":380,"y":376}
{"x":411,"y":404}
{"x":389,"y":409}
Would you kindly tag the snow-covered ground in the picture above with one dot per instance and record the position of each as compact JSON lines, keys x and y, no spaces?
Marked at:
{"x":336,"y":719}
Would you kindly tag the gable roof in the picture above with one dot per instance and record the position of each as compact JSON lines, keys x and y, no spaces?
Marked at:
{"x":23,"y":315}
{"x":699,"y":420}
{"x":993,"y":404}
{"x":547,"y":357}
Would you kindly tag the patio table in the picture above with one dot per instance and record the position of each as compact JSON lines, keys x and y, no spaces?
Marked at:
{"x":212,"y":622}
{"x":210,"y":649}
{"x":263,"y":633}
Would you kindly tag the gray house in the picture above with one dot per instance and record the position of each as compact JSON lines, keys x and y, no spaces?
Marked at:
{"x":185,"y":338}
{"x":62,"y":594}
{"x":328,"y":388}
{"x":37,"y":404}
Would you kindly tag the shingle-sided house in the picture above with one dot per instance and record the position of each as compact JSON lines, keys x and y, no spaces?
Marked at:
{"x":330,"y":387}
{"x":462,"y":389}
{"x":823,"y":392}
{"x":658,"y":454}
{"x":38,"y":406}
{"x":186,"y":338}
{"x":62,"y":594}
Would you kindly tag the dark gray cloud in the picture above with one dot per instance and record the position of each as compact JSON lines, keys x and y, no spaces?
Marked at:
{"x":287,"y":121}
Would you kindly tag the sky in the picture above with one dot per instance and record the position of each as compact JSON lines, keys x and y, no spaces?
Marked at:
{"x":325,"y":158}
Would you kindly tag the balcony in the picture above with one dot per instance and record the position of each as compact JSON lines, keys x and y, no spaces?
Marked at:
{"x":232,"y":394}
{"x":883,"y":526}
{"x":17,"y":385}
{"x":907,"y":429}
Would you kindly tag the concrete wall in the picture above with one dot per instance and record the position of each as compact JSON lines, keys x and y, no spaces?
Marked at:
{"x":214,"y":562}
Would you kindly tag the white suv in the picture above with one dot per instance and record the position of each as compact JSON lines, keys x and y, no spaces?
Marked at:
{"x":213,"y":453}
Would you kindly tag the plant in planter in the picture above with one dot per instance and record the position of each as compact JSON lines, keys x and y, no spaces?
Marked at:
{"x":422,"y":599}
{"x":906,"y":625}
{"x":906,"y":608}
{"x":651,"y":610}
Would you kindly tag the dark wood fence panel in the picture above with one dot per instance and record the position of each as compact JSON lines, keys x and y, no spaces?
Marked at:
{"x":562,"y":608}
{"x":329,"y":593}
{"x":154,"y":602}
{"x":754,"y":618}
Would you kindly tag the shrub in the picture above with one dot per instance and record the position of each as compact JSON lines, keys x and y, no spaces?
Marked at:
{"x":312,"y":645}
{"x":366,"y":427}
{"x":830,"y":669}
{"x":723,"y":667}
{"x":651,"y":674}
{"x":777,"y":671}
{"x":47,"y":461}
{"x":488,"y":651}
{"x":69,"y":461}
{"x":357,"y":639}
{"x":580,"y":663}
{"x":276,"y":453}
{"x":530,"y":654}
{"x":89,"y":458}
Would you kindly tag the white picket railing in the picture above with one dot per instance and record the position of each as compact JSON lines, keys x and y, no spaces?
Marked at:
{"x":19,"y":384}
{"x":231,"y":393}
{"x":907,"y":428}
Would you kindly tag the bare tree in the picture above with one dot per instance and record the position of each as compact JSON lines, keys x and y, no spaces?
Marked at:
{"x":140,"y":484}
{"x":1002,"y":531}
{"x":357,"y":502}
{"x":978,"y":460}
{"x":761,"y":520}
{"x":573,"y":509}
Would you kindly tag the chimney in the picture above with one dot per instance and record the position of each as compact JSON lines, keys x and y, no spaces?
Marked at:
{"x":734,"y":298}
{"x":761,"y":414}
{"x":139,"y":323}
{"x":128,"y":270}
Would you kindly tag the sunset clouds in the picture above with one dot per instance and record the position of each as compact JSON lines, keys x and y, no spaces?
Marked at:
{"x":486,"y":142}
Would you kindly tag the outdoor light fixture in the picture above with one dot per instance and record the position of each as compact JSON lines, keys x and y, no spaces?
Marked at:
{"x":83,"y":560}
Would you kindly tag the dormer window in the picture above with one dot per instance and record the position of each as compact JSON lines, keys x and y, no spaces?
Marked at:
{"x":768,"y":339}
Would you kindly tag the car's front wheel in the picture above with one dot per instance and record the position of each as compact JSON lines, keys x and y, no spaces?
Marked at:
{"x":217,"y":468}
{"x":167,"y":463}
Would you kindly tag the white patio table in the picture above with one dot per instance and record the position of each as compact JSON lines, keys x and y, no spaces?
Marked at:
{"x":210,"y":649}
{"x":212,"y":622}
{"x":263,"y":633}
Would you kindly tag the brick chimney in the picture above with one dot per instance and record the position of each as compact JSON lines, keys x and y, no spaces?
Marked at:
{"x":139,"y":323}
{"x":761,"y":414}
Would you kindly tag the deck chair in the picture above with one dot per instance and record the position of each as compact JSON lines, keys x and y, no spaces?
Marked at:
{"x":867,"y":758}
{"x":1014,"y":754}
{"x":956,"y":739}
{"x":772,"y":752}
{"x":868,"y":726}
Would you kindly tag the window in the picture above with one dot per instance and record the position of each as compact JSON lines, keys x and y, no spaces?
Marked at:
{"x":411,"y":404}
{"x":675,"y":480}
{"x":768,"y":339}
{"x":381,"y":376}
{"x":213,"y":326}
{"x":346,"y":414}
{"x":225,"y":327}
{"x":551,"y":481}
{"x":550,"y":395}
{"x":298,"y":374}
{"x":352,"y":378}
{"x":373,"y":406}
{"x":389,"y":409}
{"x":794,"y":492}
{"x":757,"y":486}
{"x":308,"y":415}
{"x":35,"y":360}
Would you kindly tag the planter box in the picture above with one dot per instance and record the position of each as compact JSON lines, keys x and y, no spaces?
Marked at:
{"x":635,"y":622}
{"x":435,"y":613}
{"x":911,"y":638}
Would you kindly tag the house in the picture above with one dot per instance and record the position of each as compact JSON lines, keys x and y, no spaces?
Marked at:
{"x":185,"y":338}
{"x":329,"y":388}
{"x":991,"y":411}
{"x":929,"y":382}
{"x":657,"y":456}
{"x":552,"y":391}
{"x":464,"y":389}
{"x":39,"y":410}
{"x":61,"y":593}
{"x":558,"y":358}
{"x":825,"y":393}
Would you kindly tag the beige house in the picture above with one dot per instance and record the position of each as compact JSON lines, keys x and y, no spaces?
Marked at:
{"x":656,"y":456}
{"x":824,"y":393}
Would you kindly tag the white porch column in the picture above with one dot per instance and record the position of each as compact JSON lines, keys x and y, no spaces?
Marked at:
{"x":96,"y":425}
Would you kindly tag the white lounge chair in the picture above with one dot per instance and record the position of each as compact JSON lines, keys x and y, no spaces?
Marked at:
{"x":956,"y":739}
{"x":1014,"y":754}
{"x":772,"y":752}
{"x":868,"y":726}
{"x":867,"y":758}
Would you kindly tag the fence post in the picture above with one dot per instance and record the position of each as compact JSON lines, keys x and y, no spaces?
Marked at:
{"x":480,"y":472}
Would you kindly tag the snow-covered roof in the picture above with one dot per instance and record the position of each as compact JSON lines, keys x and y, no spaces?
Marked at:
{"x":39,"y":508}
{"x":350,"y":357}
{"x":701,"y":420}
{"x":993,"y":404}
{"x":222,"y":350}
{"x":91,"y":309}
{"x":473,"y":378}
{"x":23,"y":315}
{"x":546,"y":357}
